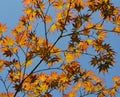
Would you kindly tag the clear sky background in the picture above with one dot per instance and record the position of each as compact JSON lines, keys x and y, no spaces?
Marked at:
{"x":11,"y":10}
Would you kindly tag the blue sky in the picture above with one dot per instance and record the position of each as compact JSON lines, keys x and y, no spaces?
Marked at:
{"x":11,"y":10}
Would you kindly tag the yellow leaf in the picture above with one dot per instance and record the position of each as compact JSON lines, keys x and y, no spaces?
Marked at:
{"x":69,"y":57}
{"x":105,"y":1}
{"x":42,"y":77}
{"x":52,"y":28}
{"x":44,"y":87}
{"x":89,"y":41}
{"x":29,"y":62}
{"x":112,"y":92}
{"x":28,"y":10}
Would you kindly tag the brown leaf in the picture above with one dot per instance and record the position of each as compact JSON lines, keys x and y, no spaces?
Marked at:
{"x":8,"y":53}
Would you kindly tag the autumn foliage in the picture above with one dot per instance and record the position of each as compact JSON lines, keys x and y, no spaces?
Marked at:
{"x":42,"y":52}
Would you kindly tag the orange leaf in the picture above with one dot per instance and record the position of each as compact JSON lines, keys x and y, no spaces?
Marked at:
{"x":2,"y":28}
{"x":116,"y":29}
{"x":83,"y":45}
{"x":101,"y":35}
{"x":112,"y":92}
{"x":21,"y":39}
{"x":9,"y":94}
{"x":8,"y":41}
{"x":116,"y":78}
{"x":48,"y":18}
{"x":26,"y":2}
{"x":1,"y":65}
{"x":71,"y":94}
{"x":58,"y":4}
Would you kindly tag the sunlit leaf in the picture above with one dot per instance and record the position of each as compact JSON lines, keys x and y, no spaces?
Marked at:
{"x":8,"y":41}
{"x":21,"y":38}
{"x":52,"y":28}
{"x":116,"y":78}
{"x":58,"y":4}
{"x":48,"y":18}
{"x":26,"y":2}
{"x":101,"y":35}
{"x":29,"y":62}
{"x":2,"y":28}
{"x":69,"y":57}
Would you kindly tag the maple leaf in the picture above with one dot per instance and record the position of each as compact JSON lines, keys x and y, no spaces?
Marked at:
{"x":8,"y":53}
{"x":83,"y":45}
{"x":71,"y":94}
{"x":116,"y":29}
{"x":54,"y":75}
{"x":116,"y":78}
{"x":1,"y":65}
{"x":2,"y":28}
{"x":8,"y":41}
{"x":29,"y":62}
{"x":116,"y":19}
{"x":71,"y":21}
{"x":58,"y":4}
{"x":43,"y":87}
{"x":52,"y":28}
{"x":48,"y":18}
{"x":112,"y":92}
{"x":26,"y":2}
{"x":28,"y":10}
{"x":89,"y":41}
{"x":3,"y":94}
{"x":7,"y":63}
{"x":21,"y":38}
{"x":101,"y":35}
{"x":69,"y":57}
{"x":42,"y":77}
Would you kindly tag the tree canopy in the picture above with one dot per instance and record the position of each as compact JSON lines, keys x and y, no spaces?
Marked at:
{"x":42,"y":52}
